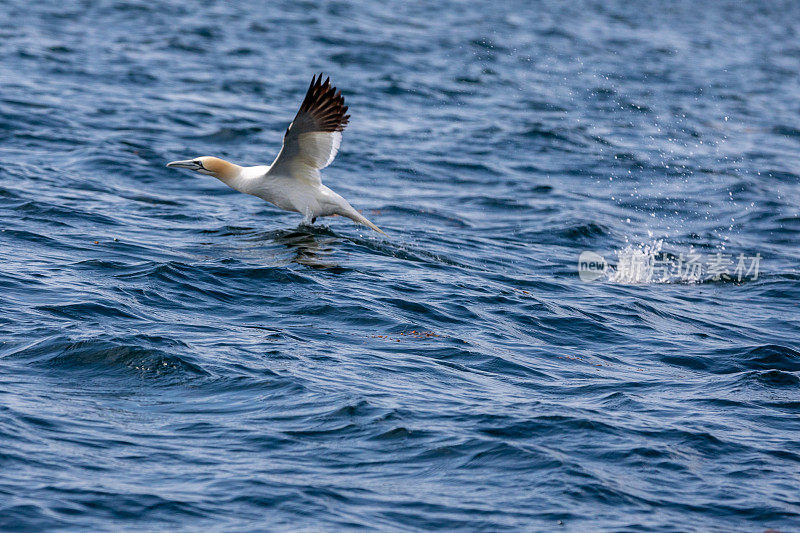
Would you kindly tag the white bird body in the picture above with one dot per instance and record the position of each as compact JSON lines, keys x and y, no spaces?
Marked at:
{"x":293,"y":181}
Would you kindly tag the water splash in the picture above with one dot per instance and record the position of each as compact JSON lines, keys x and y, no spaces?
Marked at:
{"x":638,"y":263}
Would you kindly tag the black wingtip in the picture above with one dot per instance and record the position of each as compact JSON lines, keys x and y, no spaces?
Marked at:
{"x":326,"y":104}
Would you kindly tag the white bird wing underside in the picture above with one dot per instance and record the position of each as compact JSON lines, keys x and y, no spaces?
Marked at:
{"x":314,"y":136}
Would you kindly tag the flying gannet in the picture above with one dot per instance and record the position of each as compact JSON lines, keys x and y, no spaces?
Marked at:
{"x":293,"y":181}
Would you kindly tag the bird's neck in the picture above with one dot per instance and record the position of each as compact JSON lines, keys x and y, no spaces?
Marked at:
{"x":243,"y":179}
{"x":226,"y":170}
{"x":229,"y":174}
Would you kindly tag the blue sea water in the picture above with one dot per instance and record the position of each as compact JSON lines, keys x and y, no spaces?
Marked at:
{"x":178,"y":356}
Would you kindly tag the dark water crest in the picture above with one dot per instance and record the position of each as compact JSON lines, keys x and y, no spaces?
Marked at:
{"x":177,"y":355}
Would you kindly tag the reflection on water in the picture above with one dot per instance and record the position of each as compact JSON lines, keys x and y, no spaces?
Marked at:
{"x":311,"y":246}
{"x":308,"y":248}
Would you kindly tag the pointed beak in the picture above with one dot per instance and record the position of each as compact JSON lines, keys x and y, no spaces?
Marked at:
{"x":191,"y":165}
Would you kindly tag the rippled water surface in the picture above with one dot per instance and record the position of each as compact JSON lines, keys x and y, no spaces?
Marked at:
{"x":176,"y":355}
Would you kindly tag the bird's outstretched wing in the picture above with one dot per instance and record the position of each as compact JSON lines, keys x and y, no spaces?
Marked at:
{"x":313,"y":138}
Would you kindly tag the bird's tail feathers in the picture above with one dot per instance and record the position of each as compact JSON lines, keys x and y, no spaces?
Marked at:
{"x":358,"y":218}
